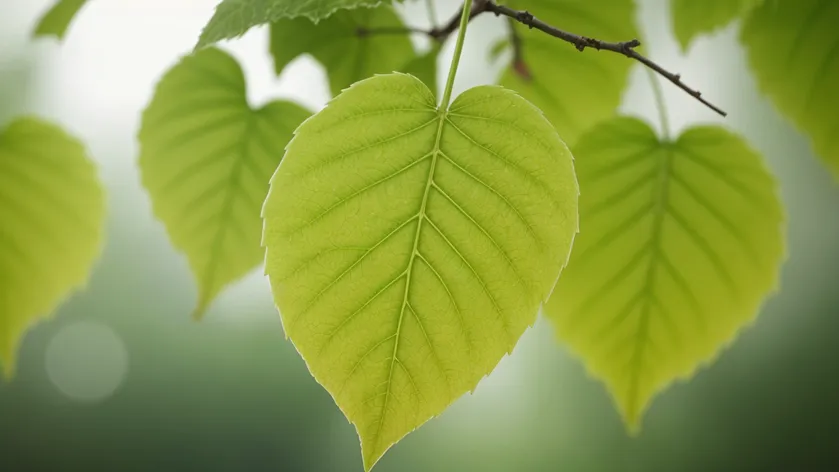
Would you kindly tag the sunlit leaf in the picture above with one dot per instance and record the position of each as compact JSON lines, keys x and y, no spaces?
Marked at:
{"x":793,"y":52}
{"x":408,"y":249}
{"x":338,"y":43}
{"x":574,"y":89}
{"x":680,"y":243}
{"x":57,"y":19}
{"x":234,"y":18}
{"x":52,"y":209}
{"x":206,"y":160}
{"x":692,"y":18}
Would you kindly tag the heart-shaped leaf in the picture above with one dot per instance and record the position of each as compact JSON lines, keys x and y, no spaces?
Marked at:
{"x":52,"y":209}
{"x":206,"y":159}
{"x":409,"y":247}
{"x":680,"y":242}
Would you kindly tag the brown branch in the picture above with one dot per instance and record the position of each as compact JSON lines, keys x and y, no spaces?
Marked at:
{"x":624,"y":48}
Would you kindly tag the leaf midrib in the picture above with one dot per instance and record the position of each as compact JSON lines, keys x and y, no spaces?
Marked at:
{"x":662,"y":203}
{"x":409,"y":270}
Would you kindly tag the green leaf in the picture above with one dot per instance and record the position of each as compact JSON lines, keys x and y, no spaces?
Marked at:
{"x":57,"y":20}
{"x":52,"y":208}
{"x":233,"y":18}
{"x":409,"y":248}
{"x":793,"y":52}
{"x":336,"y":43}
{"x":574,"y":89}
{"x":498,"y":49}
{"x":680,"y":244}
{"x":206,"y":160}
{"x":692,"y":18}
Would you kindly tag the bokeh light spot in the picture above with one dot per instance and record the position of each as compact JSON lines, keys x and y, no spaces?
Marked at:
{"x":87,"y":361}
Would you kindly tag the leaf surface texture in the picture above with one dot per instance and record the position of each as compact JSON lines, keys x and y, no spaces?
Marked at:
{"x":234,"y":18}
{"x":206,"y":160}
{"x":409,"y":248}
{"x":679,"y":245}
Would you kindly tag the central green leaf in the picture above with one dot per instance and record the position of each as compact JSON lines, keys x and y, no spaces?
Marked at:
{"x":409,"y":247}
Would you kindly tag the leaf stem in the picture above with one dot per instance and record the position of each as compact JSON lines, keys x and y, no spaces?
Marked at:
{"x":660,"y":104}
{"x":458,"y":51}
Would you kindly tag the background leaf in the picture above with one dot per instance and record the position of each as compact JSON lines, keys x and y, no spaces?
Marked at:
{"x":234,"y":18}
{"x":408,"y":249}
{"x":206,"y":160}
{"x":575,"y":90}
{"x":335,"y":42}
{"x":793,"y":49}
{"x":680,"y":243}
{"x":52,"y":208}
{"x":693,"y":18}
{"x":424,"y":67}
{"x":57,"y":20}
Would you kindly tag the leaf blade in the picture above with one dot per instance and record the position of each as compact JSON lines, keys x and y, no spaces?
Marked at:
{"x":680,"y":244}
{"x":693,"y":19}
{"x":793,"y":54}
{"x":56,"y":21}
{"x":391,"y":245}
{"x":335,"y":42}
{"x":53,"y":210}
{"x":206,"y":158}
{"x":233,"y":18}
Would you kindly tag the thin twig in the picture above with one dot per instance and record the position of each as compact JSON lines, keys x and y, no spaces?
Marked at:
{"x":626,"y":48}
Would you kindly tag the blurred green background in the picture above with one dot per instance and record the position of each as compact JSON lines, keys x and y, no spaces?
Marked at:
{"x":122,"y":379}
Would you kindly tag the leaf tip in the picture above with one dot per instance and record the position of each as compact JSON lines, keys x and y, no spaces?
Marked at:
{"x":200,"y":310}
{"x":370,"y":456}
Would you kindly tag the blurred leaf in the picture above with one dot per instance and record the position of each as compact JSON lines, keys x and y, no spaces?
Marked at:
{"x":409,"y":248}
{"x":57,"y":20}
{"x":233,"y":18}
{"x":52,"y":208}
{"x":424,"y":67}
{"x":680,"y":244}
{"x":574,"y":89}
{"x":499,"y":48}
{"x":336,"y":43}
{"x":793,"y":52}
{"x":206,"y":160}
{"x":692,"y":18}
